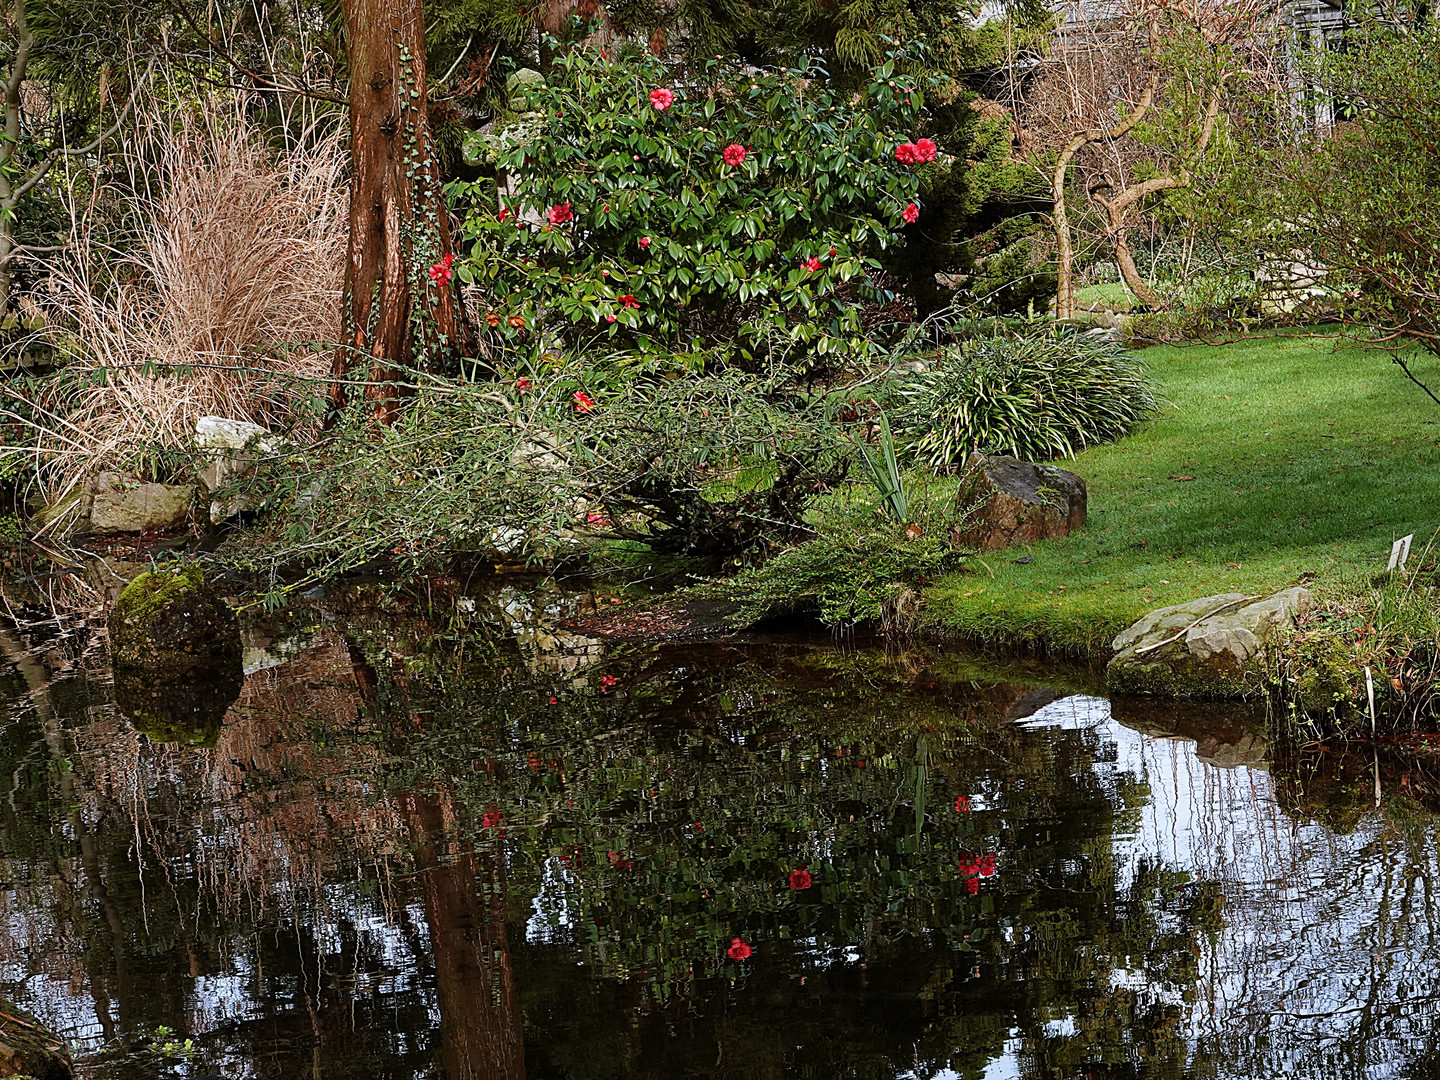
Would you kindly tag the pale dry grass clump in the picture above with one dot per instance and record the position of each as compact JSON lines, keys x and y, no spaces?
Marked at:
{"x":234,"y":272}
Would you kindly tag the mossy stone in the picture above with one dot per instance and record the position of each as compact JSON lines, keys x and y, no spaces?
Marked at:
{"x":27,"y":1048}
{"x":167,"y":623}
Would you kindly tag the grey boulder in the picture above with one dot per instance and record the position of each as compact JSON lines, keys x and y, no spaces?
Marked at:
{"x":1213,"y":647}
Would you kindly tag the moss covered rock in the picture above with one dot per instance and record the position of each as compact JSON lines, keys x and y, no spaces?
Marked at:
{"x":27,"y":1048}
{"x":1211,"y":648}
{"x":169,"y":623}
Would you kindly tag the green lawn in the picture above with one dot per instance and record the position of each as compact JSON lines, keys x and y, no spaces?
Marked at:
{"x":1271,"y":460}
{"x":1114,"y":296}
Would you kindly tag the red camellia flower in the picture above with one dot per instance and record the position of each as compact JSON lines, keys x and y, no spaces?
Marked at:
{"x":925,"y":150}
{"x":560,"y":213}
{"x":662,"y":99}
{"x":523,"y":385}
{"x":735,"y":154}
{"x":905,"y":153}
{"x":738,"y":950}
{"x":812,"y":264}
{"x":911,"y":213}
{"x":491,"y":819}
{"x":504,"y":213}
{"x":969,"y":864}
{"x":972,"y":885}
{"x":629,"y":301}
{"x":987,"y":864}
{"x":607,"y":682}
{"x":800,"y":879}
{"x":440,"y":272}
{"x":583,"y":401}
{"x":644,"y":241}
{"x":609,"y":318}
{"x":962,"y":804}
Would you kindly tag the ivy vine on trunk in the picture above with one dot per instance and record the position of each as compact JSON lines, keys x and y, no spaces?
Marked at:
{"x":398,"y":313}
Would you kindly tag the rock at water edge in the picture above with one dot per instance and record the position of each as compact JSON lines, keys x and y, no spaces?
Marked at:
{"x":169,"y":623}
{"x":1217,"y":651}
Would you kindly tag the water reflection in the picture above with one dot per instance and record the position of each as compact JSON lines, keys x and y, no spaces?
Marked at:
{"x":450,"y":839}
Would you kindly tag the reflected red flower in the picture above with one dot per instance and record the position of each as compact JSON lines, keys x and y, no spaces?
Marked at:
{"x":618,"y":861}
{"x":734,"y":154}
{"x":800,"y":879}
{"x":962,"y":804}
{"x":554,"y":701}
{"x":972,"y":885}
{"x":491,"y":819}
{"x":738,"y":950}
{"x":987,"y":864}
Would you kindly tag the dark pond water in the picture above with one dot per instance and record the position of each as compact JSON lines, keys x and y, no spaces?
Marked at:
{"x":436,"y":837}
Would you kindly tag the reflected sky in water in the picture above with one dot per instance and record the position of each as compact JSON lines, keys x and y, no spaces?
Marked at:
{"x":481,"y":846}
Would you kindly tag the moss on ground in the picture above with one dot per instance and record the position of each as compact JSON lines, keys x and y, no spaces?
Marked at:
{"x":1275,"y":462}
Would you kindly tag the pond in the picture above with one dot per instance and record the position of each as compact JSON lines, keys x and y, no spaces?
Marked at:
{"x":438,"y":835}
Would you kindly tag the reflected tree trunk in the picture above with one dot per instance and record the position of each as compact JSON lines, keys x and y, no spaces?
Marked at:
{"x":481,"y":1029}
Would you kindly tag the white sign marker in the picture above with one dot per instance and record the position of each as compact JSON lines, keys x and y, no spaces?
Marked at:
{"x":1399,"y":552}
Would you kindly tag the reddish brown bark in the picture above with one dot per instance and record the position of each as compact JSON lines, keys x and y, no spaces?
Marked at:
{"x":395,"y":314}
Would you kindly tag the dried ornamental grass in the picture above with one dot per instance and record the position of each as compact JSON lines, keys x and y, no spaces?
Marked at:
{"x":236,"y":262}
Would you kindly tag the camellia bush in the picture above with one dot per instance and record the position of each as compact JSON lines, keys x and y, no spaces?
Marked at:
{"x":738,"y":208}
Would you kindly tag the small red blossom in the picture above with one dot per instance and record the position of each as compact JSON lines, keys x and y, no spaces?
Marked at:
{"x":554,"y":701}
{"x":905,"y":153}
{"x":607,"y":682}
{"x":812,"y":264}
{"x":925,"y":150}
{"x":800,"y":879}
{"x":598,"y":519}
{"x":738,"y":949}
{"x":962,"y":804}
{"x":583,"y":401}
{"x":832,"y":253}
{"x":735,"y":154}
{"x":661,"y":99}
{"x":440,"y":272}
{"x":972,"y":885}
{"x":504,"y":213}
{"x":619,"y":862}
{"x":644,"y":241}
{"x":911,"y":213}
{"x":491,"y":819}
{"x":697,"y":826}
{"x":609,"y":318}
{"x":522,"y":385}
{"x":560,"y":213}
{"x":629,"y":301}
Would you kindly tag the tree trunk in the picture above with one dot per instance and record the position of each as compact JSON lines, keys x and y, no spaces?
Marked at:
{"x":395,"y":314}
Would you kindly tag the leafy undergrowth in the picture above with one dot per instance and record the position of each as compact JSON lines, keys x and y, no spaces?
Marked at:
{"x":1273,"y":462}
